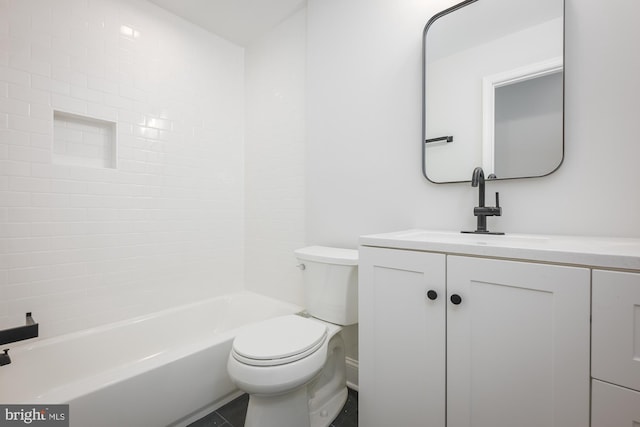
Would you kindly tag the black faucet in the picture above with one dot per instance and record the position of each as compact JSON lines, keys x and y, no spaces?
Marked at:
{"x":4,"y":358}
{"x":481,"y":211}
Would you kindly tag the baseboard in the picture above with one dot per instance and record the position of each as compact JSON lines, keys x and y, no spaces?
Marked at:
{"x":352,"y":373}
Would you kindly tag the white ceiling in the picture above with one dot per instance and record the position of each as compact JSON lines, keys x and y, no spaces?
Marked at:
{"x":239,"y":21}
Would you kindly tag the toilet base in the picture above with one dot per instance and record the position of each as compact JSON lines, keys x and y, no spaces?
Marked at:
{"x":285,"y":410}
{"x":325,"y":415}
{"x":292,"y":410}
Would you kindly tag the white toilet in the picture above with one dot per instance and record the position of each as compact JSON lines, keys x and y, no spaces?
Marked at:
{"x":293,"y":367}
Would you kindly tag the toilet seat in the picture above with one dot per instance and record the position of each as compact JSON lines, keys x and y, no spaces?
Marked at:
{"x":279,"y":341}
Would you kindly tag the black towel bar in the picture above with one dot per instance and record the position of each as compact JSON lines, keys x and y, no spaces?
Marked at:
{"x":442,"y":138}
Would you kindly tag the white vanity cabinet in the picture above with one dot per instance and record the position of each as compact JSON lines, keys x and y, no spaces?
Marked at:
{"x":517,"y":344}
{"x":500,"y":345}
{"x":505,"y":337}
{"x":615,"y":349}
{"x":401,"y":338}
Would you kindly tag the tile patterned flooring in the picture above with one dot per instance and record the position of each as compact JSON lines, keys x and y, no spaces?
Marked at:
{"x":232,"y":414}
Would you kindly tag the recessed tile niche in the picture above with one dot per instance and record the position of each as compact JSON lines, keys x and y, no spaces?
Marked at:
{"x":83,"y":141}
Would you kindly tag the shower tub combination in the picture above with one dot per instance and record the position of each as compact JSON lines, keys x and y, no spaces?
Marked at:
{"x":163,"y":369}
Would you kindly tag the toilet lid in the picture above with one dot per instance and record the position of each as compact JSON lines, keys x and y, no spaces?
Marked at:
{"x":279,"y":340}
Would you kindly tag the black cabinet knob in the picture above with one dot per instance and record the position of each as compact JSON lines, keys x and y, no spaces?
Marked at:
{"x":432,"y":295}
{"x":456,"y":299}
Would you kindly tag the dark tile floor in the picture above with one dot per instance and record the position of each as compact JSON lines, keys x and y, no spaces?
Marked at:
{"x":232,"y":414}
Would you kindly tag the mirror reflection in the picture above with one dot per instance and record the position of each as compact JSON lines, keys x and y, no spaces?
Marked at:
{"x":493,"y":90}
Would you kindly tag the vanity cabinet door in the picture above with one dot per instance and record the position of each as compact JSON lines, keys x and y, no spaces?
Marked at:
{"x":517,"y":344}
{"x":614,"y":406}
{"x":616,"y":328}
{"x":401,"y":338}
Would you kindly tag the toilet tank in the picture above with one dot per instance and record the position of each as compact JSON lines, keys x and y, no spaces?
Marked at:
{"x":330,"y":280}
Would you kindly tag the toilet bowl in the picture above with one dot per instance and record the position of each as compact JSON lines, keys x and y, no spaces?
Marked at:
{"x":293,"y":367}
{"x":278,"y":355}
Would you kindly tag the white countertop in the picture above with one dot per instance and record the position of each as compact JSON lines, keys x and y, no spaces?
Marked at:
{"x":616,"y":253}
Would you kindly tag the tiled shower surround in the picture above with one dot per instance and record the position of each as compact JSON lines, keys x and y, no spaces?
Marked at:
{"x":86,"y":244}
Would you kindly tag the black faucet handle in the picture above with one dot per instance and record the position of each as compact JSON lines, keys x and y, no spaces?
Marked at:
{"x":497,"y":209}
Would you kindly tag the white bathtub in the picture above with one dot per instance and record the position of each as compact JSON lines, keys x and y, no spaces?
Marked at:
{"x":166,"y":368}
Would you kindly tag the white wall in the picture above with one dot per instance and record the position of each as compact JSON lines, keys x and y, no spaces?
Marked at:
{"x":81,"y":246}
{"x":274,"y":159}
{"x":364,"y":125}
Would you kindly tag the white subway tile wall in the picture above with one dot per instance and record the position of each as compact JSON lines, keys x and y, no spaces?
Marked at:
{"x":82,"y":245}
